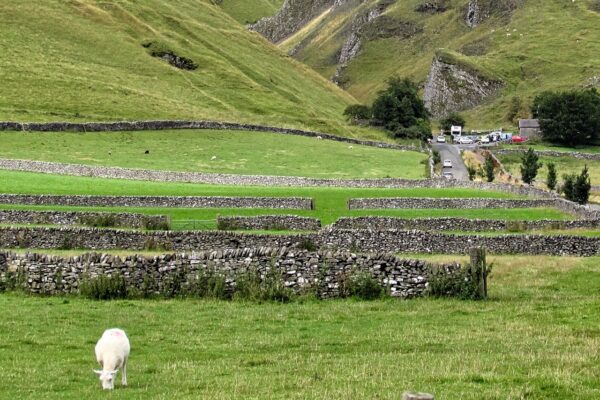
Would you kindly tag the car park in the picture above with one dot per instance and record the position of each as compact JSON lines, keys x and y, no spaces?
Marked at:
{"x":447,"y":164}
{"x":441,"y":139}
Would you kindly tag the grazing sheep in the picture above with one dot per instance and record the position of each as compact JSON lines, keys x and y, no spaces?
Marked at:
{"x":112,"y":352}
{"x":319,"y":138}
{"x":213,"y":158}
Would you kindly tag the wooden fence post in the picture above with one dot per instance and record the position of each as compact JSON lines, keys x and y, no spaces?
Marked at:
{"x":479,"y":270}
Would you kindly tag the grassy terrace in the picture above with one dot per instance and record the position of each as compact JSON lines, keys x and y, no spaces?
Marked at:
{"x":330,"y":203}
{"x":537,"y":337}
{"x":244,"y":153}
{"x":564,"y":165}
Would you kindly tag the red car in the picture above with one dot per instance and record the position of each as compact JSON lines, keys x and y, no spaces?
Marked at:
{"x":518,"y":139}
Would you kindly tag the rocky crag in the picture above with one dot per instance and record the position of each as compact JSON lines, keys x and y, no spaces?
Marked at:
{"x":292,"y":16}
{"x":478,"y":11}
{"x":454,"y":86}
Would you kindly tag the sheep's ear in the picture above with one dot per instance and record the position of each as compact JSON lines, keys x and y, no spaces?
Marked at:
{"x":97,"y":372}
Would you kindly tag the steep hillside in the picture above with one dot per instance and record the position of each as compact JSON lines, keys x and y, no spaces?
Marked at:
{"x":473,"y":55}
{"x":151,"y":59}
{"x":248,"y":12}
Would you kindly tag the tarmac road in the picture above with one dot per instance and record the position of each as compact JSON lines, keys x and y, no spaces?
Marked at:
{"x":452,"y":152}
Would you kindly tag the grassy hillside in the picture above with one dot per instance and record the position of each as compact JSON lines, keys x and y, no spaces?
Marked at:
{"x":547,"y":45}
{"x":245,"y":153}
{"x":248,"y":12}
{"x":84,"y":60}
{"x":537,"y":338}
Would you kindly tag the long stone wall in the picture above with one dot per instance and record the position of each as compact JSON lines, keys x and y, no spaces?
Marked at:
{"x":411,"y":241}
{"x":89,"y":127}
{"x":269,"y":223}
{"x":553,"y":153}
{"x":131,"y":220}
{"x":444,"y":203}
{"x":432,"y":242}
{"x":324,"y":273}
{"x":460,"y":224}
{"x":294,"y":203}
{"x":260,"y":180}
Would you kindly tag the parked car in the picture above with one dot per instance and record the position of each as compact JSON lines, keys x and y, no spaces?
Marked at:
{"x":518,"y":139}
{"x":447,"y":163}
{"x":441,"y":139}
{"x":465,"y":140}
{"x":485,"y":139}
{"x":448,"y":175}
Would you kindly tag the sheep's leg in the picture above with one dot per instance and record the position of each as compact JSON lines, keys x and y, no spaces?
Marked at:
{"x":124,"y":373}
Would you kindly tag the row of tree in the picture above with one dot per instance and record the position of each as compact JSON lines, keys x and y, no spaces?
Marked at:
{"x":575,"y":187}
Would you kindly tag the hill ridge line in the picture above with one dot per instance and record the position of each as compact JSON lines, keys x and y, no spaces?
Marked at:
{"x":156,"y":125}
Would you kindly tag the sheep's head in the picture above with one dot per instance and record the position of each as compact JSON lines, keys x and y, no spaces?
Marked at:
{"x":107,"y":378}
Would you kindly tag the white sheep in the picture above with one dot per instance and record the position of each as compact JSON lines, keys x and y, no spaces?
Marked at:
{"x":112,"y":352}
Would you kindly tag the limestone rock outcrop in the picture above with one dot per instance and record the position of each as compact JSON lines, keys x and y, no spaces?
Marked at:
{"x":478,"y":11}
{"x":452,"y":86}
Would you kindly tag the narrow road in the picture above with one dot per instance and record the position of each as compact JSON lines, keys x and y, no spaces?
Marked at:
{"x":452,"y":152}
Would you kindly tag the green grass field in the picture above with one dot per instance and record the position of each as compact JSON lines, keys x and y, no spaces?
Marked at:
{"x":236,"y":152}
{"x":330,"y":203}
{"x":536,"y":338}
{"x":564,"y":165}
{"x":84,"y":60}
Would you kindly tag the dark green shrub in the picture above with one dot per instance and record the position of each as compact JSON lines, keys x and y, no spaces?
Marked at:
{"x":399,"y":106}
{"x":208,"y":284}
{"x":226,"y":225}
{"x":472,"y":171}
{"x":529,"y":166}
{"x":569,"y":118}
{"x":462,"y":283}
{"x":453,"y":119}
{"x":104,"y":287}
{"x":489,"y":168}
{"x":436,"y":157}
{"x":270,"y":287}
{"x":361,"y":285}
{"x":577,"y":187}
{"x":357,"y":112}
{"x":307,"y":244}
{"x":156,"y":224}
{"x":516,"y":226}
{"x":99,"y":221}
{"x":551,"y":180}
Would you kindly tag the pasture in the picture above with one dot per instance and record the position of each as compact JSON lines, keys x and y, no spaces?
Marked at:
{"x":234,"y":152}
{"x":536,"y":337}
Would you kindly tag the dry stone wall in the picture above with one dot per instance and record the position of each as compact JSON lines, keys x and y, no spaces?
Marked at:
{"x":413,"y":241}
{"x":130,"y":220}
{"x":269,"y":223}
{"x":444,"y":203}
{"x":296,"y":203}
{"x":553,"y":153}
{"x":392,"y":240}
{"x":323,"y":273}
{"x":459,"y":224}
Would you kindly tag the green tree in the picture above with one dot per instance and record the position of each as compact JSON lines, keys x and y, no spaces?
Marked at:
{"x":489,"y":167}
{"x":399,"y":106}
{"x":453,"y":119}
{"x":472,"y":171}
{"x":529,"y":166}
{"x":582,"y":187}
{"x":551,"y":180}
{"x":569,"y":118}
{"x":577,"y":187}
{"x":357,"y":112}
